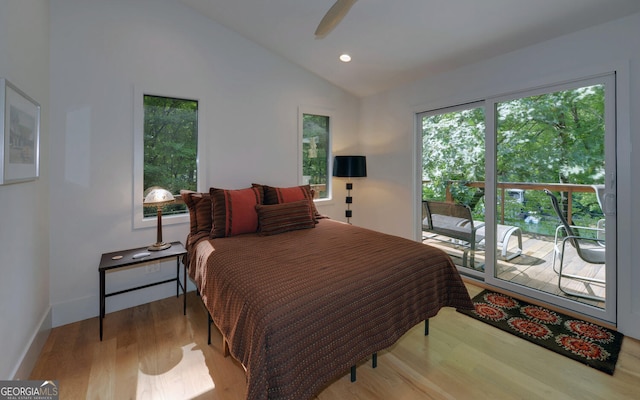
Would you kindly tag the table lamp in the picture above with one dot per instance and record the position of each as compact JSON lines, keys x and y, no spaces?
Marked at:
{"x":349,"y":167}
{"x":158,"y":197}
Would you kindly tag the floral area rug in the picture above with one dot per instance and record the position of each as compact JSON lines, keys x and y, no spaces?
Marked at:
{"x":582,"y":341}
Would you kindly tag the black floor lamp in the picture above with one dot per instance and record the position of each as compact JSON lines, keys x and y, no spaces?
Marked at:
{"x":349,"y":167}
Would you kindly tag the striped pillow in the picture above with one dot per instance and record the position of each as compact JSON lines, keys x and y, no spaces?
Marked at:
{"x":199,"y":205}
{"x":278,"y":195}
{"x":284,"y":217}
{"x":234,"y":211}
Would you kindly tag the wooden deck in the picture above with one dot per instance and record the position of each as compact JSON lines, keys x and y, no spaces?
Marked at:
{"x":533,"y":268}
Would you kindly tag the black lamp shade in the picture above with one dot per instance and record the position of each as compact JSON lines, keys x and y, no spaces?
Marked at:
{"x":350,"y":166}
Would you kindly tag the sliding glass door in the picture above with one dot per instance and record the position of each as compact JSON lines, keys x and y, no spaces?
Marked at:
{"x":452,"y":159}
{"x":507,"y":160}
{"x":555,"y":144}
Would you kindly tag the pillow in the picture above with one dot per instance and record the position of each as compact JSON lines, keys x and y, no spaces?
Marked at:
{"x":234,"y":211}
{"x":284,"y":217}
{"x":199,"y":205}
{"x":316,"y":214}
{"x":278,"y":195}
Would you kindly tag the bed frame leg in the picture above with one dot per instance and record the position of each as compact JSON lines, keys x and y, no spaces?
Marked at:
{"x":374,"y":364}
{"x":209,"y":321}
{"x":426,"y":327}
{"x":225,"y":345}
{"x":225,"y":348}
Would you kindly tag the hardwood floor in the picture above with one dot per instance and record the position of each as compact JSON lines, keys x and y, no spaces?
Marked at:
{"x":154,"y":352}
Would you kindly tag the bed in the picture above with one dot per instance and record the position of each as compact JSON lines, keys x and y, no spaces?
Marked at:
{"x":300,"y":306}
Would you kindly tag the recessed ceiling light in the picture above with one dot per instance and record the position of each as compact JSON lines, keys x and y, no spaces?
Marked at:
{"x":345,"y":58}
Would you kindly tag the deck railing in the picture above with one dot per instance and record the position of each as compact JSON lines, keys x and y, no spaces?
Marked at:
{"x":503,"y":186}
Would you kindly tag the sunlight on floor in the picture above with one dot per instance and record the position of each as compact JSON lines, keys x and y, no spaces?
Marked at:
{"x":188,"y":379}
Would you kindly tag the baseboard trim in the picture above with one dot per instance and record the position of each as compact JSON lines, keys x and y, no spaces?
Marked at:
{"x":32,"y":351}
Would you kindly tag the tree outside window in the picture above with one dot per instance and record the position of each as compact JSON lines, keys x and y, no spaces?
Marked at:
{"x":555,"y":137}
{"x":315,"y":153}
{"x":170,"y":147}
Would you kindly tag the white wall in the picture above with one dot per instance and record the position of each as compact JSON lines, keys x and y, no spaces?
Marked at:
{"x":387,"y":132}
{"x":24,"y":207}
{"x":248,"y":97}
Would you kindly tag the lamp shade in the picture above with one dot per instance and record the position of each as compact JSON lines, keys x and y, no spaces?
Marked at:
{"x":158,"y":196}
{"x":350,"y":166}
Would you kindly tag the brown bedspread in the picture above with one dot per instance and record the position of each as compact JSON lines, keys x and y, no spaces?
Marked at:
{"x":298,"y":309}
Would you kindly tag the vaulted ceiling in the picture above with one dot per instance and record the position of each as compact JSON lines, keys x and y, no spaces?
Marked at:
{"x":395,"y":42}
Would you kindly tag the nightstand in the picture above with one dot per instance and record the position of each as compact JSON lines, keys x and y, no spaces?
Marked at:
{"x":124,"y":258}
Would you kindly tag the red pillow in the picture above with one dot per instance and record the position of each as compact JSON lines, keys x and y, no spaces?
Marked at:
{"x":234,"y":211}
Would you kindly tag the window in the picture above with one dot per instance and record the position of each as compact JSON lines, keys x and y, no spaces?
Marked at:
{"x":315,"y":153}
{"x":166,"y":151}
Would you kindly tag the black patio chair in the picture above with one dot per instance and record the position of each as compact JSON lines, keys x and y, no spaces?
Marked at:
{"x":590,"y":250}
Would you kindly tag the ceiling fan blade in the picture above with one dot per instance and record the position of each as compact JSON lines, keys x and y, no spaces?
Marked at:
{"x":333,"y":17}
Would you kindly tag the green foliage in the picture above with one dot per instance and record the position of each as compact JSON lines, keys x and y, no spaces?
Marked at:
{"x":315,"y":149}
{"x":170,"y":145}
{"x":452,"y":149}
{"x":551,"y":138}
{"x":555,"y":137}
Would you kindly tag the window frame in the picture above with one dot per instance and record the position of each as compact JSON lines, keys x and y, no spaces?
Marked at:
{"x":139,"y":221}
{"x":323,"y":112}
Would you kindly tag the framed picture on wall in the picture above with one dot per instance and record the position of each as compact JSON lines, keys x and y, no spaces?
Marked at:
{"x":19,"y":134}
